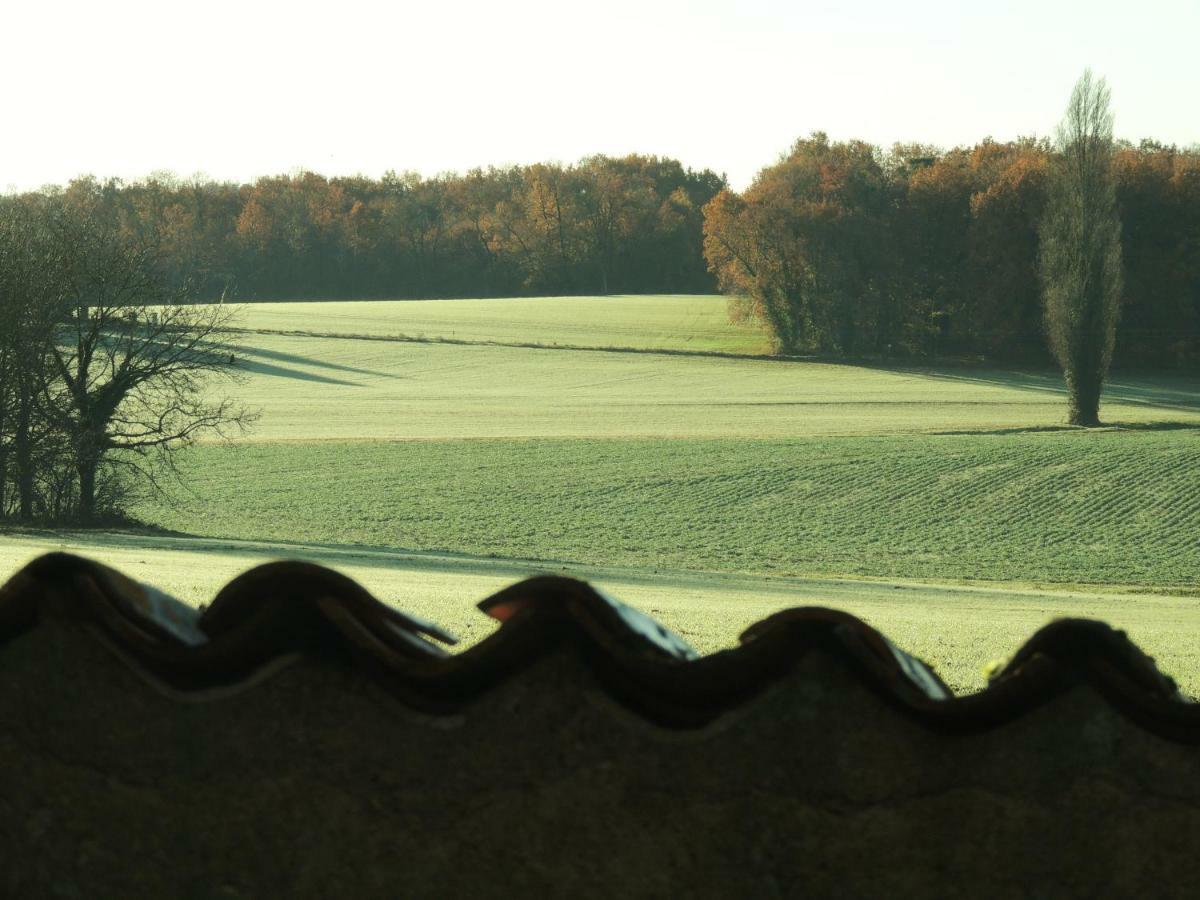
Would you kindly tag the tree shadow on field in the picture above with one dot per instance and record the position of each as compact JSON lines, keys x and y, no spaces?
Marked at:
{"x":255,"y":367}
{"x":1079,"y":429}
{"x":307,"y":361}
{"x":1150,"y":426}
{"x":1180,"y":393}
{"x":150,"y":539}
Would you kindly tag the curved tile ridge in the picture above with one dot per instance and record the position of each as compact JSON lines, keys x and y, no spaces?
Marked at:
{"x":270,"y":611}
{"x":599,"y":611}
{"x":282,"y":609}
{"x":1057,"y":658}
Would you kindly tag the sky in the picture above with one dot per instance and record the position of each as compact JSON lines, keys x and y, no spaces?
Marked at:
{"x":237,"y":90}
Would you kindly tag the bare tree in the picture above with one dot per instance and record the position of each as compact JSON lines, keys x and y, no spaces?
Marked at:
{"x":31,"y":292}
{"x":1081,"y":249}
{"x":127,"y":378}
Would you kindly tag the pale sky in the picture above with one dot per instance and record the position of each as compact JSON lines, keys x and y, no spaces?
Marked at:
{"x":236,"y":90}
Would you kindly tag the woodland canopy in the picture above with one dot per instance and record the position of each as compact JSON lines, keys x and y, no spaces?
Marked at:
{"x":846,"y":250}
{"x":840,"y":248}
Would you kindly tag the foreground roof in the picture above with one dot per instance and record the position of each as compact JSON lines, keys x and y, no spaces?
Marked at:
{"x":300,"y":735}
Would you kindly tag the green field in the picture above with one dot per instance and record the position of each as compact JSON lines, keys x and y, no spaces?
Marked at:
{"x":685,"y":323}
{"x":1090,"y":508}
{"x":416,"y":446}
{"x":311,"y":388}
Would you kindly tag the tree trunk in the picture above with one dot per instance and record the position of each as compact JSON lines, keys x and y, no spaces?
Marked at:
{"x":3,"y":459}
{"x":87,"y":489}
{"x":23,"y":445}
{"x":87,"y":461}
{"x":1083,"y":400}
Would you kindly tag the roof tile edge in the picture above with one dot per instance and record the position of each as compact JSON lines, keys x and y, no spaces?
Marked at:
{"x":285,"y":608}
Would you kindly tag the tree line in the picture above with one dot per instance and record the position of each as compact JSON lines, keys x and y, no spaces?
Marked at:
{"x":844,"y":249}
{"x":841,"y":248}
{"x":604,"y":225}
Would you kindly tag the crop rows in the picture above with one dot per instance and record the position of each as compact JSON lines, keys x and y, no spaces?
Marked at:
{"x":1115,"y":508}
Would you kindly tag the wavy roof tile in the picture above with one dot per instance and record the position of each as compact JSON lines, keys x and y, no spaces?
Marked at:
{"x":288,"y":608}
{"x":299,"y":738}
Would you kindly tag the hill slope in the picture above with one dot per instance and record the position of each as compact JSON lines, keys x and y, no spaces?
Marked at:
{"x":1116,"y":507}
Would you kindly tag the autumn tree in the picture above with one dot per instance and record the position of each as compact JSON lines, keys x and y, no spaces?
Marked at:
{"x":757,"y":266}
{"x":931,"y":229}
{"x":289,"y":234}
{"x":1158,"y":191}
{"x":1081,"y":249}
{"x":808,"y":242}
{"x":1003,"y":309}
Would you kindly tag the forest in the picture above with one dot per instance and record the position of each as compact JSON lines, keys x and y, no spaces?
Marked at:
{"x":844,"y":250}
{"x":909,"y":251}
{"x":630,"y":225}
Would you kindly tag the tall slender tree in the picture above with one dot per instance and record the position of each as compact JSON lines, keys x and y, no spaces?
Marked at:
{"x":1081,"y":249}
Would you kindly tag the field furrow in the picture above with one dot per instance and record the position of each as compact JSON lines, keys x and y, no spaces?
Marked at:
{"x":1055,"y":507}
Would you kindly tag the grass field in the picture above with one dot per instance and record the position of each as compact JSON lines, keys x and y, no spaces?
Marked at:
{"x":313,"y":388}
{"x":1096,"y":508}
{"x":688,"y":322}
{"x":947,"y":506}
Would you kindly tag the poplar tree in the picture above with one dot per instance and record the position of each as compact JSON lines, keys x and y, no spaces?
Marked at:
{"x":1080,"y":258}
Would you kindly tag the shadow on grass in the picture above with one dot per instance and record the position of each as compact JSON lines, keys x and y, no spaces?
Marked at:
{"x":825,"y":588}
{"x":1104,"y":427}
{"x":275,"y":363}
{"x":87,"y":542}
{"x":260,"y":368}
{"x":295,"y":359}
{"x":1151,"y":426}
{"x":1152,"y":392}
{"x":367,"y":556}
{"x":1180,"y":393}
